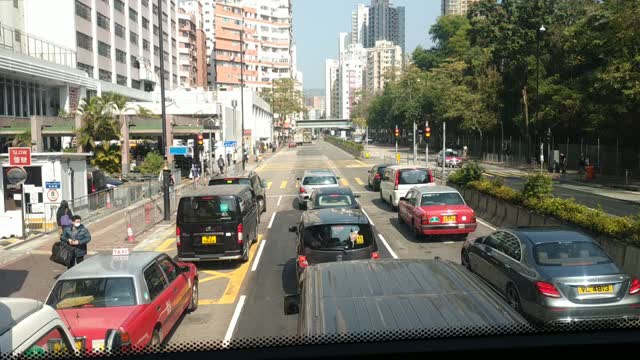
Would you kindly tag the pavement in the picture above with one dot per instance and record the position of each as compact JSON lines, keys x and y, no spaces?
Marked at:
{"x":240,"y":301}
{"x":603,"y":192}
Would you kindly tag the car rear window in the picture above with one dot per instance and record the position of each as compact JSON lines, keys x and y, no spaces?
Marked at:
{"x":334,"y":200}
{"x":452,"y":153}
{"x":569,"y":254}
{"x":414,"y":176}
{"x":93,"y":293}
{"x":381,"y":169}
{"x":450,"y":198}
{"x":208,"y":208}
{"x":229,"y":182}
{"x":319,"y":180}
{"x":338,"y":237}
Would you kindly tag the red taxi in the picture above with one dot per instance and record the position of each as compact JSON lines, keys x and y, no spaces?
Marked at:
{"x":436,"y":210}
{"x":137,"y":297}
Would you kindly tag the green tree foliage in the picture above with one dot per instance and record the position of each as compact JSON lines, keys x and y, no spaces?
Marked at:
{"x":152,"y":164}
{"x":285,"y":99}
{"x":22,"y":139}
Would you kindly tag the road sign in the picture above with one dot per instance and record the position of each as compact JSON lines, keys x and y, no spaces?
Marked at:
{"x":53,"y":195}
{"x":16,"y":175}
{"x":52,"y":185}
{"x":230,"y":144}
{"x":178,"y":150}
{"x":19,"y":156}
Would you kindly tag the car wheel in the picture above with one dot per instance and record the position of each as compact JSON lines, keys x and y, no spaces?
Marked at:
{"x":155,"y":338}
{"x":464,"y":259}
{"x":417,"y":233}
{"x":301,"y":206}
{"x":193,"y":304}
{"x":400,"y":219}
{"x":513,"y":298}
{"x":381,"y":197}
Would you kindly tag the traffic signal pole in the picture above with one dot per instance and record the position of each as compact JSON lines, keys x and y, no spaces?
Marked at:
{"x":397,"y":134}
{"x":427,"y":135}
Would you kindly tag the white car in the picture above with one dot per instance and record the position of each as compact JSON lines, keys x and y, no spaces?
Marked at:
{"x":29,"y":327}
{"x":397,"y":180}
{"x":311,"y":180}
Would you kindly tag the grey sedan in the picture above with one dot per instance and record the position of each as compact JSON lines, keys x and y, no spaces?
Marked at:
{"x":553,"y":275}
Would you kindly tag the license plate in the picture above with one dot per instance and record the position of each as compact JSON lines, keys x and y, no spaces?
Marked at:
{"x":207,"y":240}
{"x":598,"y":289}
{"x":449,"y":218}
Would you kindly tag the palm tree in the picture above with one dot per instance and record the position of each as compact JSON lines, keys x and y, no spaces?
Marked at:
{"x":23,"y":139}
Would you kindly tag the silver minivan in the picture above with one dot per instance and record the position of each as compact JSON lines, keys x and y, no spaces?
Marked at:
{"x":397,"y":180}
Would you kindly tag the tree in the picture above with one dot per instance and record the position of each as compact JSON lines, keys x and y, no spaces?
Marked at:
{"x":142,"y":111}
{"x":152,"y":163}
{"x":21,"y":140}
{"x":100,"y":126}
{"x":285,"y":99}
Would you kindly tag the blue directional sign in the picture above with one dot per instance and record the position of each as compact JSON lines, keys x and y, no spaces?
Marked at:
{"x":178,"y":150}
{"x":230,"y":143}
{"x":52,"y":184}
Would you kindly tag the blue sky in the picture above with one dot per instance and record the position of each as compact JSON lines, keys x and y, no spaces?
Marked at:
{"x":316,"y":24}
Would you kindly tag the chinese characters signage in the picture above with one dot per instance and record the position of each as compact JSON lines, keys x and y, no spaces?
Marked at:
{"x":19,"y":156}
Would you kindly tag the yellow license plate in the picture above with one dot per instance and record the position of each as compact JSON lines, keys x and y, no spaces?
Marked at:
{"x":207,"y":240}
{"x":598,"y":289}
{"x":449,"y":218}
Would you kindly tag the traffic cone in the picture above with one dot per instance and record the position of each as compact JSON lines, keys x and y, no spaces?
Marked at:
{"x":108,"y":201}
{"x":130,"y":236}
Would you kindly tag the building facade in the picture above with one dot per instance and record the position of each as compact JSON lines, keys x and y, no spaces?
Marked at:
{"x":386,"y":22}
{"x":331,"y":88}
{"x":385,"y":57}
{"x":192,"y":60}
{"x":457,"y":7}
{"x":360,"y":24}
{"x":351,"y":78}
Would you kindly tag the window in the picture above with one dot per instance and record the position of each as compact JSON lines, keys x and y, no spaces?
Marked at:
{"x":133,"y":37}
{"x":209,"y":208}
{"x":53,"y":342}
{"x":84,"y":41}
{"x":119,"y":5}
{"x":319,"y":180}
{"x":16,"y":4}
{"x":83,"y":11}
{"x":121,"y":80}
{"x":86,"y":68}
{"x":169,"y":268}
{"x":104,"y":75}
{"x":104,"y":49}
{"x":570,"y":253}
{"x":145,"y":44}
{"x":134,"y":62}
{"x":334,"y":200}
{"x":156,"y":51}
{"x":155,"y":9}
{"x":99,"y":292}
{"x":145,"y":3}
{"x":120,"y":31}
{"x":416,"y":176}
{"x":155,"y":30}
{"x":155,"y":280}
{"x":338,"y":237}
{"x":505,"y":243}
{"x":135,"y":84}
{"x":103,"y":21}
{"x":133,"y":15}
{"x":121,"y":56}
{"x":145,"y":23}
{"x":451,"y":198}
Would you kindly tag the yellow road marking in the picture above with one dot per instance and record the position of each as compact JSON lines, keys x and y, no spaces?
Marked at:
{"x":269,"y":185}
{"x":166,"y":245}
{"x":344,"y":182}
{"x":210,"y":278}
{"x":207,"y":302}
{"x":360,"y":182}
{"x":363,"y":164}
{"x":284,"y":184}
{"x":216,"y":273}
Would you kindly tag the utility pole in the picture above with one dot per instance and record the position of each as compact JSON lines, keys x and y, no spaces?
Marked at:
{"x":415,"y":148}
{"x":444,"y":149}
{"x":166,"y":171}
{"x":397,"y":133}
{"x":427,"y":135}
{"x":242,"y":89}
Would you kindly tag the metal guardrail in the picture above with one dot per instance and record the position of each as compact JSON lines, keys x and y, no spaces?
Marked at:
{"x":20,"y":42}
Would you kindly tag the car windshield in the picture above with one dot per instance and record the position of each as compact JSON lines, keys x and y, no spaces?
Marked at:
{"x":334,"y":200}
{"x":338,"y":237}
{"x":569,"y":254}
{"x":230,"y":181}
{"x":319,"y":180}
{"x":93,"y":293}
{"x":450,"y":198}
{"x":414,"y":176}
{"x":452,"y":153}
{"x":381,"y":169}
{"x":208,"y":208}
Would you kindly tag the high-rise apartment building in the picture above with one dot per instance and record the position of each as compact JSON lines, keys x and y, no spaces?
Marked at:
{"x":386,"y":22}
{"x":192,"y":60}
{"x":331,"y":88}
{"x":351,"y":78}
{"x":456,"y":7}
{"x":385,"y":57}
{"x":360,"y":24}
{"x":264,"y":29}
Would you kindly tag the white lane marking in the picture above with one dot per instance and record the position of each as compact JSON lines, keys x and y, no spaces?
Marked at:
{"x":255,"y":262}
{"x":448,"y":242}
{"x":486,"y":224}
{"x":234,"y":319}
{"x":273,"y":216}
{"x":275,"y":196}
{"x":384,"y":242}
{"x":279,"y":199}
{"x":367,"y":215}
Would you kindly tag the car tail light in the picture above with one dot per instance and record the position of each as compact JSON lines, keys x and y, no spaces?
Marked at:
{"x":239,"y":230}
{"x":397,"y":180}
{"x":635,"y":287}
{"x":376,"y":176}
{"x":375,"y":255}
{"x":547,"y":289}
{"x":178,"y":233}
{"x":302,"y":190}
{"x":302,"y":261}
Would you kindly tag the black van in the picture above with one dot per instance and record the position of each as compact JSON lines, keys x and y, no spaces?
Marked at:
{"x":217,"y":223}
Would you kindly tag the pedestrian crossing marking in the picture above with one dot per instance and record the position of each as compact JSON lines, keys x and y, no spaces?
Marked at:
{"x":269,"y":185}
{"x":344,"y":182}
{"x":283,"y":185}
{"x":360,"y":182}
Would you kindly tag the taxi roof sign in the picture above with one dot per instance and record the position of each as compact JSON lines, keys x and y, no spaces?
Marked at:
{"x":120,"y":252}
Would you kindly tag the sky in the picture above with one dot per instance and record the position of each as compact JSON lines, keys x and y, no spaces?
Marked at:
{"x":316,"y":24}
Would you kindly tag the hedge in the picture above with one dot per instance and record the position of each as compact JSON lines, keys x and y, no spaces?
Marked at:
{"x":596,"y":221}
{"x":349,"y":146}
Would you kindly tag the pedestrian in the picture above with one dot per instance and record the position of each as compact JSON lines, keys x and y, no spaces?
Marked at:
{"x":63,"y":217}
{"x":77,"y":236}
{"x":229,"y":159}
{"x":563,"y":164}
{"x":582,"y":163}
{"x":221,"y":164}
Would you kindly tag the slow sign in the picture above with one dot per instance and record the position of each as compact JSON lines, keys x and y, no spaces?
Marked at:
{"x":19,"y":156}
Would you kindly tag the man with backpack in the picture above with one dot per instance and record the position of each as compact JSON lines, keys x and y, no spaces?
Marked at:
{"x":221,"y":164}
{"x":63,"y":217}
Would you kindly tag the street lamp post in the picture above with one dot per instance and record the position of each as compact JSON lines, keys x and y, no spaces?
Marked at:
{"x":242,"y":90}
{"x":165,"y":137}
{"x":216,"y":124}
{"x":540,"y":31}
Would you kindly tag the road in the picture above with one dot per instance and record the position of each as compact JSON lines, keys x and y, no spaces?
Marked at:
{"x":239,"y":301}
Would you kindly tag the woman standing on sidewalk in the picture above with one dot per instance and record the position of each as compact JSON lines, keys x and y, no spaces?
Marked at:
{"x":63,"y":217}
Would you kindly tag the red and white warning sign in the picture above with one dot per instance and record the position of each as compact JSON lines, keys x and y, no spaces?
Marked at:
{"x":19,"y":156}
{"x":53,"y":195}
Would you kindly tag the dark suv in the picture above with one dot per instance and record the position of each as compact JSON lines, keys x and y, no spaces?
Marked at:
{"x":252,"y":180}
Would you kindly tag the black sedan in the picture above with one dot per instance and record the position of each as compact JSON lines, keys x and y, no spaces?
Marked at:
{"x":333,"y":197}
{"x":375,"y":176}
{"x":553,"y":275}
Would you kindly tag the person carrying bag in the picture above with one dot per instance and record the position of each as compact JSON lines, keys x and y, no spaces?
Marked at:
{"x":63,"y":217}
{"x":77,"y":237}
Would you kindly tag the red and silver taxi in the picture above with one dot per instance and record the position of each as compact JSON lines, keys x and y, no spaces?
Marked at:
{"x":138,"y":296}
{"x":436,"y":210}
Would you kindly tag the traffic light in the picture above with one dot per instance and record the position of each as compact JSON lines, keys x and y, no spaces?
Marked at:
{"x":397,"y":132}
{"x":200,"y":139}
{"x":427,"y":132}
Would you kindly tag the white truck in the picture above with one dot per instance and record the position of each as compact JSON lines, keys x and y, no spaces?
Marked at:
{"x":298,"y":138}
